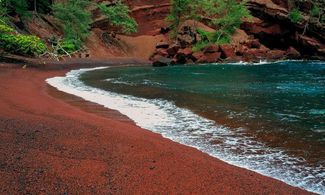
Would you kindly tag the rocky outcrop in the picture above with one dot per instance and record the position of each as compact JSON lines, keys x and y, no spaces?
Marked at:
{"x":272,"y":26}
{"x":161,"y":61}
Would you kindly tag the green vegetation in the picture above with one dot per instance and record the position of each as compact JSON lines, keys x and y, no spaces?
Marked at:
{"x":75,"y":20}
{"x":181,"y":10}
{"x":299,"y":9}
{"x":73,"y":16}
{"x":118,"y":15}
{"x":224,"y":16}
{"x":19,"y":7}
{"x":3,"y":13}
{"x":315,"y":11}
{"x":22,"y":44}
{"x":12,"y":42}
{"x":231,"y":14}
{"x":5,"y":29}
{"x":318,"y":12}
{"x":295,"y":16}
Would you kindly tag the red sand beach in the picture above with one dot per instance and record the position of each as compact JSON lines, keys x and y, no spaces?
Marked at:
{"x":53,"y":145}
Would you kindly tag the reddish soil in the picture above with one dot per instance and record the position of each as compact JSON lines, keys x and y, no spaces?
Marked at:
{"x":49,"y":145}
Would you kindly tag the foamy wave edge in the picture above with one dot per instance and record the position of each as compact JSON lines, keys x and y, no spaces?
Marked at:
{"x":163,"y":117}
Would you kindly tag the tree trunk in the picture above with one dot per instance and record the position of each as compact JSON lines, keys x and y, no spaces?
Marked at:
{"x":35,"y":6}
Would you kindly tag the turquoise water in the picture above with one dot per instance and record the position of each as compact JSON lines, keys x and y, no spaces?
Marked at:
{"x":269,"y":118}
{"x":286,"y":99}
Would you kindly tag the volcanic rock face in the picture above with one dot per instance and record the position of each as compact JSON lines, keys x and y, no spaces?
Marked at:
{"x":273,"y":28}
{"x":269,"y":35}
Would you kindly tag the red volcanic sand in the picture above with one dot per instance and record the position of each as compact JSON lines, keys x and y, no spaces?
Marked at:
{"x":49,"y":146}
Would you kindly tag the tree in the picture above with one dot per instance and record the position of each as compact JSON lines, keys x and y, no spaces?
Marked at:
{"x":118,"y":15}
{"x":20,"y":7}
{"x":3,"y":13}
{"x":181,"y":10}
{"x":75,"y":20}
{"x":224,"y":15}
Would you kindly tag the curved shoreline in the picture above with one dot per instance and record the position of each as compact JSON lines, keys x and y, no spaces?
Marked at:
{"x":56,"y":147}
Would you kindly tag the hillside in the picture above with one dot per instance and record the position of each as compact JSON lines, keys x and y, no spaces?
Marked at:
{"x":270,"y":34}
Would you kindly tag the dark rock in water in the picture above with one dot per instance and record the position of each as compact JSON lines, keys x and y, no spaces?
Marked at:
{"x":163,"y":45}
{"x":227,"y":51}
{"x":173,"y":49}
{"x":212,"y":48}
{"x":161,"y":61}
{"x":292,"y":53}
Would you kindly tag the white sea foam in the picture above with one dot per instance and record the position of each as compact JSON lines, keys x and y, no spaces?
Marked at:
{"x":183,"y":126}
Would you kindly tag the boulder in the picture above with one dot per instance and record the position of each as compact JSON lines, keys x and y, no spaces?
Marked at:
{"x":292,"y":53}
{"x":212,"y":48}
{"x":241,"y":50}
{"x":181,"y":58}
{"x":309,"y":43}
{"x":234,"y":59}
{"x":197,"y":56}
{"x":239,"y":37}
{"x":227,"y":51}
{"x":276,"y":54}
{"x":253,"y":44}
{"x":161,"y":61}
{"x":187,"y":34}
{"x":202,"y":59}
{"x":173,"y":49}
{"x":162,"y":52}
{"x":163,"y":45}
{"x":254,"y":54}
{"x":212,"y":57}
{"x":261,"y":28}
{"x":186,"y":40}
{"x":187,"y":52}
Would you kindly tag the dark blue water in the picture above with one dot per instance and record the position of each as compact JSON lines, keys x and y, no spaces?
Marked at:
{"x":280,"y":106}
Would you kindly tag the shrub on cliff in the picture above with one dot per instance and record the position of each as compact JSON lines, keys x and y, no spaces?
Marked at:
{"x":295,"y":15}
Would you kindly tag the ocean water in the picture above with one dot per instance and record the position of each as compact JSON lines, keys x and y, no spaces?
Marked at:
{"x":269,"y":118}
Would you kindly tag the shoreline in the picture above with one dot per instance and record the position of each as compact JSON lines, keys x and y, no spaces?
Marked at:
{"x":73,"y":150}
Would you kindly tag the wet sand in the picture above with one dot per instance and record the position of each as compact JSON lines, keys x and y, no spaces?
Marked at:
{"x":52,"y":143}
